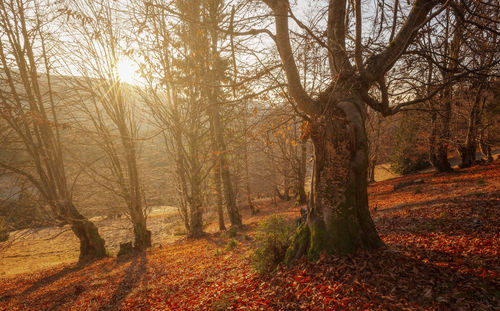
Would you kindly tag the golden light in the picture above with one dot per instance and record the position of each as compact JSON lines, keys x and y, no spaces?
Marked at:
{"x":127,"y":71}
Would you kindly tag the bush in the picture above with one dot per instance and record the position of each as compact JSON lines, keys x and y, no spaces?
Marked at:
{"x":231,"y":245}
{"x":271,"y":242}
{"x":4,"y":232}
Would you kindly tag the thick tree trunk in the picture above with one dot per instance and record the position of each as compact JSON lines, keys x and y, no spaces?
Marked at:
{"x":467,"y":150}
{"x":142,"y":236}
{"x":338,"y":220}
{"x":467,"y":154}
{"x":438,"y":142}
{"x":91,"y":243}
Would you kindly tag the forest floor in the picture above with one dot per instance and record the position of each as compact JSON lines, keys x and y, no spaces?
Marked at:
{"x":443,"y":249}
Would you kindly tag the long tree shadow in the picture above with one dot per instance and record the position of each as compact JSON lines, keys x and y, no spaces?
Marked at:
{"x":46,"y":281}
{"x":433,"y":203}
{"x":132,"y":276}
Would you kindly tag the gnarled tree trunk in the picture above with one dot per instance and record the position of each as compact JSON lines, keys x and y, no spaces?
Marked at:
{"x":142,"y":236}
{"x":338,"y":220}
{"x":91,"y":243}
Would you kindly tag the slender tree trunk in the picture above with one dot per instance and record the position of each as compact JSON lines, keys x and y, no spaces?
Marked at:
{"x":373,"y":160}
{"x":218,"y":197}
{"x":142,"y":236}
{"x":245,"y":158}
{"x":195,"y":210}
{"x":91,"y":243}
{"x":286,"y":182}
{"x":484,"y":147}
{"x":215,"y":115}
{"x":301,"y":176}
{"x":338,"y":220}
{"x":247,"y":181}
{"x":439,"y":152}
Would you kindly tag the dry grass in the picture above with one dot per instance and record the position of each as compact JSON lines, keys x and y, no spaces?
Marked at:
{"x":33,"y":250}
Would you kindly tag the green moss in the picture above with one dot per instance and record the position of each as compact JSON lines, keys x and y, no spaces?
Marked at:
{"x":319,"y":238}
{"x":343,"y":235}
{"x":298,"y":247}
{"x":272,"y":239}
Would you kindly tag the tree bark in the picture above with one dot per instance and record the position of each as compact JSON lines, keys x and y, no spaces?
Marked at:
{"x":142,"y":236}
{"x":215,"y":114}
{"x":338,"y":220}
{"x":195,"y":207}
{"x":467,"y":150}
{"x":245,"y":158}
{"x":91,"y":243}
{"x":300,"y":195}
{"x":438,"y":142}
{"x":485,"y":147}
{"x":218,"y":197}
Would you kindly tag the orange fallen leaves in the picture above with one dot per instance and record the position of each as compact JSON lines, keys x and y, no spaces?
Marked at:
{"x":443,"y":253}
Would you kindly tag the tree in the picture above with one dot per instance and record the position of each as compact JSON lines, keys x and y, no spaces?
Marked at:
{"x":109,"y":107}
{"x":441,"y":115}
{"x":175,"y":69}
{"x":29,"y":107}
{"x":338,"y":219}
{"x":213,"y":79}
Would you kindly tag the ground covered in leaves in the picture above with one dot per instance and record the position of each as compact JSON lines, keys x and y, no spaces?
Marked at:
{"x":442,"y":237}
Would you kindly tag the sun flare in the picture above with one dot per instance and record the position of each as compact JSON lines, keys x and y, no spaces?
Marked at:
{"x":127,"y":71}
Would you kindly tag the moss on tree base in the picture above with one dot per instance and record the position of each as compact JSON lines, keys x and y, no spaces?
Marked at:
{"x":341,"y":237}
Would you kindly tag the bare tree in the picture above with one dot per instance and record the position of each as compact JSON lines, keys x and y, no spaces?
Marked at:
{"x":30,"y":109}
{"x":338,"y":219}
{"x":109,"y":106}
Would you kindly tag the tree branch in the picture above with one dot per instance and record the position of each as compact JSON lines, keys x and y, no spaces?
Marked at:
{"x":380,"y":63}
{"x":295,"y":88}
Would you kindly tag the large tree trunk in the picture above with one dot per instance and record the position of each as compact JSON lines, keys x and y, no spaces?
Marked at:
{"x":338,"y":220}
{"x":142,"y":236}
{"x":91,"y":243}
{"x":467,"y":154}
